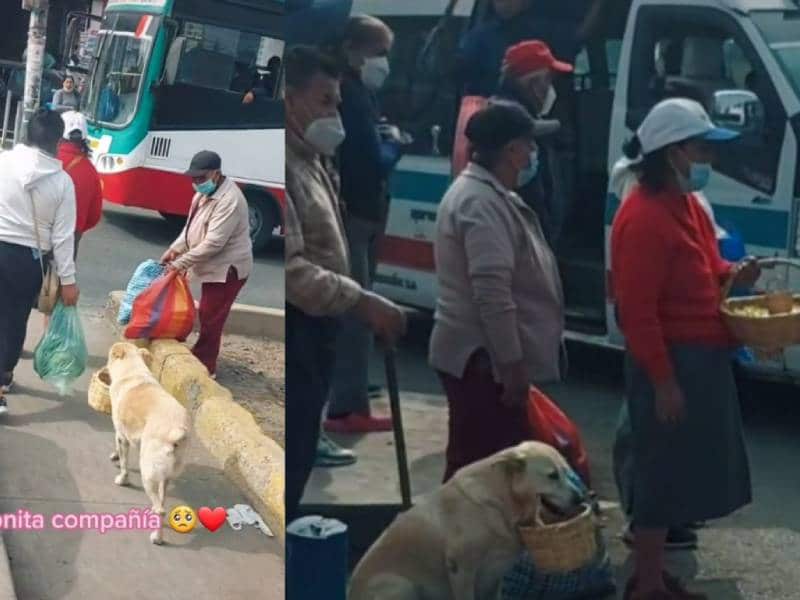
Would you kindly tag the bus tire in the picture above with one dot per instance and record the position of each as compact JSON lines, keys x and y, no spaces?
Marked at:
{"x":263,"y":220}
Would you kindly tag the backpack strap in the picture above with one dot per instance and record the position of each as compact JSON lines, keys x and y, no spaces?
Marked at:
{"x":73,"y":163}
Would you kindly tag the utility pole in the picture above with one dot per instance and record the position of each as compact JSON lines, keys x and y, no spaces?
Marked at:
{"x":37,"y":43}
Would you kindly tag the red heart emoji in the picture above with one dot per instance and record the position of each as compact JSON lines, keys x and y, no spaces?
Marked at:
{"x":212,"y":519}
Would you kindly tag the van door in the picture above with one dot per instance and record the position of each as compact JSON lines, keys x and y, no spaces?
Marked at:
{"x":421,"y":99}
{"x":695,"y":51}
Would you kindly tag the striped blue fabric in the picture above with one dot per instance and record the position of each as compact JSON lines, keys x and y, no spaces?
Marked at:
{"x":596,"y":580}
{"x":145,"y":274}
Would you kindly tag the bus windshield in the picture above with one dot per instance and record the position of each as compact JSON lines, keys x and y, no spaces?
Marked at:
{"x":125,"y":43}
{"x":780,"y":30}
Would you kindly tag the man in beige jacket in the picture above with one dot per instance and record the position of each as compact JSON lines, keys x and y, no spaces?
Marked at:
{"x":319,"y":290}
{"x":216,"y":249}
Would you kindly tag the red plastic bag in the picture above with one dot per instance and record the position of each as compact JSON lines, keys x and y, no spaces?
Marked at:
{"x":165,"y":310}
{"x":551,"y":426}
{"x":469,"y":106}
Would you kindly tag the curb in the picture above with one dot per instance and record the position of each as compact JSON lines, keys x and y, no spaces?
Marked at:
{"x":251,"y":460}
{"x":244,"y":319}
{"x":6,"y":580}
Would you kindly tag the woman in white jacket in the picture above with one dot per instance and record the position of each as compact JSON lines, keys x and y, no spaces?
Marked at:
{"x":32,"y":180}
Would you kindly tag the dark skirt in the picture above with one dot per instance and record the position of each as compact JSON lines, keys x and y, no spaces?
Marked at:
{"x":696,"y":470}
{"x":479,"y":425}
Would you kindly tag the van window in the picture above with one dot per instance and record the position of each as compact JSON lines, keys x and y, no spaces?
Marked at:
{"x":417,"y":98}
{"x":693,"y":53}
{"x":779,"y":29}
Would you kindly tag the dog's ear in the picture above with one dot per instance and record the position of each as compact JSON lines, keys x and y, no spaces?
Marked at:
{"x":146,"y":356}
{"x":513,"y":466}
{"x":524,"y":503}
{"x":118,"y":352}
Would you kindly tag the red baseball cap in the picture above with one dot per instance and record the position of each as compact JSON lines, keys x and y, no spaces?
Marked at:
{"x":530,"y":56}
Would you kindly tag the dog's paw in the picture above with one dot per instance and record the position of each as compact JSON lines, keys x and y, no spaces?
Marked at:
{"x":114,"y":457}
{"x":156,"y":538}
{"x":121,"y":479}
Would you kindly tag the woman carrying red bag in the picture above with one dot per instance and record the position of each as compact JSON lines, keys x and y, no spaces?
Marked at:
{"x":499,"y":316}
{"x":215,"y":248}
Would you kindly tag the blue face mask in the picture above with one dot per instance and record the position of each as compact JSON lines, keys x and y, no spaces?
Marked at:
{"x":206,"y":188}
{"x":699,"y":174}
{"x":528,"y":174}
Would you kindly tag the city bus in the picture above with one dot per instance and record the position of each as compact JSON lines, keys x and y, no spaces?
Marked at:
{"x":169,"y":78}
{"x":741,"y":58}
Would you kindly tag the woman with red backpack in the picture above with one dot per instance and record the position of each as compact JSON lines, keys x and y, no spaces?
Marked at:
{"x":73,"y":152}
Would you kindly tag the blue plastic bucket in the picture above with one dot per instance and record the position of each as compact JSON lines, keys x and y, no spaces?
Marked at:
{"x":316,"y":559}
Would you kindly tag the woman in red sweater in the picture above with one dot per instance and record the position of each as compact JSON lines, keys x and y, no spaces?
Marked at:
{"x":690,"y":462}
{"x":74,"y":155}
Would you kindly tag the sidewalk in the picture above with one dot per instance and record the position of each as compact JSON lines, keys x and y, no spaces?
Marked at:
{"x":751,"y":555}
{"x":54,"y":459}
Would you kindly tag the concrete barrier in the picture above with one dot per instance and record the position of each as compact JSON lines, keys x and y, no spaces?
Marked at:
{"x":249,"y":458}
{"x":253,"y":321}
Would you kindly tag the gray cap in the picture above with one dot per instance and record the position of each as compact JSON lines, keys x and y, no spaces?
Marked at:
{"x":203,"y":162}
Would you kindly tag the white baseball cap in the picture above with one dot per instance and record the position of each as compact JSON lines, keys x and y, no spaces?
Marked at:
{"x":73,"y":121}
{"x":677,"y":120}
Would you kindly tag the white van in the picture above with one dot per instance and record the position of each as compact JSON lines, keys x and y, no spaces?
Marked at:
{"x":740,"y":57}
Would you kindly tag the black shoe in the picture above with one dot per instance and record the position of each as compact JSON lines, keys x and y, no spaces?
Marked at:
{"x":6,"y":383}
{"x":3,"y":406}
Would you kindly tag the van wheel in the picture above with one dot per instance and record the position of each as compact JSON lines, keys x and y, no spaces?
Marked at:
{"x":262,"y":222}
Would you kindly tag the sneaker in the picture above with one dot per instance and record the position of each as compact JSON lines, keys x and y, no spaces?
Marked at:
{"x":355,"y":423}
{"x":330,"y":454}
{"x":678,"y":538}
{"x":3,"y":406}
{"x":7,"y":383}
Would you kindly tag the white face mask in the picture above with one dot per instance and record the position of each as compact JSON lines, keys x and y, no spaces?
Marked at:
{"x":375,"y":72}
{"x":326,"y":134}
{"x":549,"y":101}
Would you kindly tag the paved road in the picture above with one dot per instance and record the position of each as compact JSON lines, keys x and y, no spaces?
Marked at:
{"x":126,"y":237}
{"x":751,"y":555}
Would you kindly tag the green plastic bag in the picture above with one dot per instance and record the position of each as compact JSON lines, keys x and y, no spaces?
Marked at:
{"x":61,"y":355}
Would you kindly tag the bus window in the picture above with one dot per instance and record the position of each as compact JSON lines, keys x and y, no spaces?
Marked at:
{"x":215,"y":68}
{"x":224,"y":59}
{"x":126,"y":41}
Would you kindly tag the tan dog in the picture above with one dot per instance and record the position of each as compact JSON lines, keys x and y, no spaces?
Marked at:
{"x":145,"y":414}
{"x":462,"y":540}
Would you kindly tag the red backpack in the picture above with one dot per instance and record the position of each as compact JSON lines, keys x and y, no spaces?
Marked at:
{"x":469,"y":106}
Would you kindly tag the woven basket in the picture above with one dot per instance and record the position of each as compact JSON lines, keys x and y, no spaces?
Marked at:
{"x":99,"y":391}
{"x":773,"y":332}
{"x":562,"y":547}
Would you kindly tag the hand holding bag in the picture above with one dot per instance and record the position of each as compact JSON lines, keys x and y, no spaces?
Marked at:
{"x":51,"y":284}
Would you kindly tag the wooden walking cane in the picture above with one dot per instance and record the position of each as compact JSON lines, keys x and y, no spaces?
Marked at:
{"x":397,"y":424}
